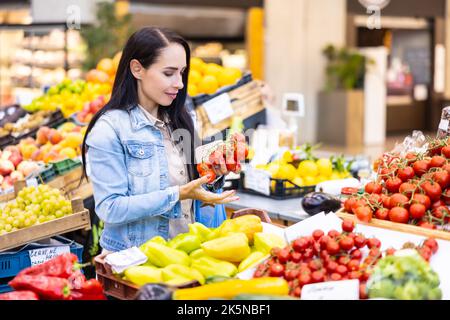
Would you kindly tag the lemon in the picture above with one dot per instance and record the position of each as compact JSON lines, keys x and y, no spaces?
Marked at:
{"x":213,"y":69}
{"x":307,"y":168}
{"x":273,"y":169}
{"x":335,"y":175}
{"x":227,"y":76}
{"x":309,"y":180}
{"x":208,"y":84}
{"x":324,"y":166}
{"x":298,"y":181}
{"x":287,"y":156}
{"x":197,"y":64}
{"x":194,"y":77}
{"x":322,"y":178}
{"x":192,"y":89}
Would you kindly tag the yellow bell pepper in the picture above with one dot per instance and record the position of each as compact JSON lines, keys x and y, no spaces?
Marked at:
{"x":141,"y":275}
{"x":161,"y":255}
{"x":200,"y":230}
{"x":175,"y":271}
{"x":197,"y":254}
{"x":186,"y":242}
{"x":230,"y":288}
{"x":264,"y":242}
{"x":209,"y":267}
{"x":233,"y":248}
{"x":248,"y":224}
{"x":253,"y":259}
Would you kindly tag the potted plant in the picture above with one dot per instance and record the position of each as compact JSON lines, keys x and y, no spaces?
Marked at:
{"x":341,"y":103}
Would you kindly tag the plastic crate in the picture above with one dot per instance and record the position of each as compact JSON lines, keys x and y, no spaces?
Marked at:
{"x":46,"y":174}
{"x":66,"y":165}
{"x":12,"y":262}
{"x":279,"y":189}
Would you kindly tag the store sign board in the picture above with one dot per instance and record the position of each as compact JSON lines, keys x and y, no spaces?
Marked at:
{"x":332,"y":290}
{"x":258,"y":180}
{"x":218,"y":108}
{"x":38,"y":256}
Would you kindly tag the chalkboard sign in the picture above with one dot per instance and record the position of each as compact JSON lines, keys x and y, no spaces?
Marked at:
{"x":419,"y":60}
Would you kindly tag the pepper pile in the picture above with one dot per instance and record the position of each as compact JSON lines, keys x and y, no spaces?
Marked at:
{"x":57,"y":279}
{"x":229,"y":153}
{"x":413,"y":189}
{"x":328,"y":257}
{"x":233,"y":247}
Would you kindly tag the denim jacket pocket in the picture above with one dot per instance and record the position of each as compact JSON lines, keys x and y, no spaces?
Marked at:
{"x":140,"y":157}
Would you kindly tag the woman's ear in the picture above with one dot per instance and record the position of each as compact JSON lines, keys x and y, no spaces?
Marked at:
{"x":136,"y":68}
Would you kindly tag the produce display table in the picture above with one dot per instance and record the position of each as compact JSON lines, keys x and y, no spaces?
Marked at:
{"x":288,"y":211}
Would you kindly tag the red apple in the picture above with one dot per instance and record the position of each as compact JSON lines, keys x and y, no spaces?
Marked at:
{"x":95,"y":106}
{"x":42,"y":135}
{"x":86,"y":107}
{"x":15,"y":158}
{"x":27,"y":167}
{"x":16,"y":175}
{"x":55,"y":137}
{"x":7,"y":183}
{"x":6,"y":167}
{"x":13,"y":149}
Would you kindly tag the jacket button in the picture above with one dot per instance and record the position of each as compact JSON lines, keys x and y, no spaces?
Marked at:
{"x":141,"y":152}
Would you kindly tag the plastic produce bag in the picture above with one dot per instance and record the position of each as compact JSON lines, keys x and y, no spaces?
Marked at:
{"x":211,"y":217}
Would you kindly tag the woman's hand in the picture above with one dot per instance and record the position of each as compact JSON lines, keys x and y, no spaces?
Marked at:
{"x":194,"y":190}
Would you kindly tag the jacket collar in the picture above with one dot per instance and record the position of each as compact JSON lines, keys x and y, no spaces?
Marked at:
{"x":138,"y":118}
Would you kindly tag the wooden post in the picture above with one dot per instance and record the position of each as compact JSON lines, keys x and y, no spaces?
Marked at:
{"x":77,"y":205}
{"x":19,"y":185}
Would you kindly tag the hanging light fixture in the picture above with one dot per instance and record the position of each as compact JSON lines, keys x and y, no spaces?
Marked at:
{"x":381,"y":4}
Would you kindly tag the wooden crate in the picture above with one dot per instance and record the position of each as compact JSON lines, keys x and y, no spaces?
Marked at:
{"x":246,"y":101}
{"x":80,"y":219}
{"x":402,"y":227}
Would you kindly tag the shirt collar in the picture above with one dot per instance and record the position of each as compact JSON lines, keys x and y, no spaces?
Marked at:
{"x":141,"y":118}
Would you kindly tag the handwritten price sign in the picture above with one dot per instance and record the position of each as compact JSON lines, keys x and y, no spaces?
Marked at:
{"x":38,"y":256}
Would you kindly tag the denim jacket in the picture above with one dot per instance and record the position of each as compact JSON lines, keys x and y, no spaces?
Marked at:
{"x":129,"y":173}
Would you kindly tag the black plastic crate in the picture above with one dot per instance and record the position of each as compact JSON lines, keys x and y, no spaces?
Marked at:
{"x":279,"y":189}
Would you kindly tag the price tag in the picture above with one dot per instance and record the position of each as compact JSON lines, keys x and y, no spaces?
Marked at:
{"x":218,"y":108}
{"x":332,"y":290}
{"x":258,"y":180}
{"x":38,"y":256}
{"x":443,"y":125}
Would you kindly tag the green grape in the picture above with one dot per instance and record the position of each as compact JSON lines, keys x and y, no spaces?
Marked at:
{"x":33,"y":220}
{"x":59,"y":214}
{"x":9,"y":220}
{"x":27,"y":223}
{"x":8,"y":227}
{"x":2,"y":232}
{"x":42,"y":219}
{"x":2,"y":225}
{"x":16,"y":223}
{"x":51,"y":217}
{"x":14,"y":229}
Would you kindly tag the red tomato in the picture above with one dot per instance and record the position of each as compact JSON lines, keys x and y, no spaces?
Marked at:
{"x":349,"y":191}
{"x":446,"y":167}
{"x":375,"y":252}
{"x":432,"y":244}
{"x":426,"y":224}
{"x":432,"y":189}
{"x":315,"y":264}
{"x":304,"y":278}
{"x":446,"y":151}
{"x":308,"y":254}
{"x":276,"y":270}
{"x":333,"y":233}
{"x":407,"y":188}
{"x":390,"y":251}
{"x":362,"y":291}
{"x":425,"y":252}
{"x":348,"y":225}
{"x":296,"y":257}
{"x":317,"y":234}
{"x":387,"y":202}
{"x":353,"y":265}
{"x":420,"y":167}
{"x":393,"y":184}
{"x":356,"y":254}
{"x":399,"y":214}
{"x":331,"y":266}
{"x":364,"y":214}
{"x":411,"y":157}
{"x":399,"y":200}
{"x":375,"y":199}
{"x":382,"y":214}
{"x":354,"y":274}
{"x":343,"y":260}
{"x":349,"y":203}
{"x":406,"y":173}
{"x":291,"y":274}
{"x":323,"y":242}
{"x":417,"y":211}
{"x":442,"y":178}
{"x":373,"y":243}
{"x":373,"y":187}
{"x":284,"y":255}
{"x":332,"y":247}
{"x":422,"y":199}
{"x":437,"y":162}
{"x":300,"y":245}
{"x":446,"y":196}
{"x":346,"y":243}
{"x":360,"y":241}
{"x":342,"y":270}
{"x":440,"y":212}
{"x":318,"y":276}
{"x":335,"y":276}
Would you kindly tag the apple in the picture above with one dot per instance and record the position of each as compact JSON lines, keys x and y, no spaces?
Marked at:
{"x":7,"y":183}
{"x":55,"y":137}
{"x":6,"y":167}
{"x":95,"y":106}
{"x":12,"y":149}
{"x":15,"y":158}
{"x":86,"y":107}
{"x":16,"y":175}
{"x":6,"y":154}
{"x":27,"y":167}
{"x":42,"y":135}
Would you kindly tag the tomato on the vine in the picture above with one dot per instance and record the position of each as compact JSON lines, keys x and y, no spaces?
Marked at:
{"x":437,"y":161}
{"x":407,"y":188}
{"x":332,"y":247}
{"x":442,"y":178}
{"x":276,"y":270}
{"x":417,"y":211}
{"x":422,"y":199}
{"x":373,"y":187}
{"x":399,"y":214}
{"x":432,"y":189}
{"x":348,"y":225}
{"x":420,"y":167}
{"x":346,"y":243}
{"x":399,"y":200}
{"x":364,"y":214}
{"x":393,"y":184}
{"x":432,"y":244}
{"x":406,"y":173}
{"x":382,"y":214}
{"x":426,"y":224}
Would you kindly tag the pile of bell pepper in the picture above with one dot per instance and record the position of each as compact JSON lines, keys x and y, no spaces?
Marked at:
{"x":57,"y":279}
{"x":236,"y":245}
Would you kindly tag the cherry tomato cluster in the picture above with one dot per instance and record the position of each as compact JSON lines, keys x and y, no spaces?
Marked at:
{"x":414,"y":189}
{"x":229,"y":154}
{"x":429,"y":247}
{"x":323,"y":257}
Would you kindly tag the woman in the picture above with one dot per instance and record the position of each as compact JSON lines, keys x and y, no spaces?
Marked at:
{"x":143,"y":182}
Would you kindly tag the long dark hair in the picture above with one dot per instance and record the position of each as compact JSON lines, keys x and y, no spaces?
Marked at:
{"x":145,"y":46}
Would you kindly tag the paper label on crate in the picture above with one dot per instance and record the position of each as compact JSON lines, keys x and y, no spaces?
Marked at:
{"x":332,"y":290}
{"x":257,"y":180}
{"x":32,"y":182}
{"x":38,"y":256}
{"x":122,"y":260}
{"x":443,"y":125}
{"x":218,"y":108}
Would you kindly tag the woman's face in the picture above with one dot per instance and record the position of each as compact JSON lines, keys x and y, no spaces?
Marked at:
{"x":160,"y":82}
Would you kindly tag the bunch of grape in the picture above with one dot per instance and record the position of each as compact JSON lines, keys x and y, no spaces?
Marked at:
{"x":33,"y":205}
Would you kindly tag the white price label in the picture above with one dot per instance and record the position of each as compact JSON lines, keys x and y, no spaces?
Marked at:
{"x":38,"y":256}
{"x":218,"y":108}
{"x":443,"y":125}
{"x":258,"y":180}
{"x":332,"y":290}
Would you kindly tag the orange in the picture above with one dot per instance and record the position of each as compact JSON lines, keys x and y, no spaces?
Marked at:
{"x":197,"y":64}
{"x":194,"y":77}
{"x":208,"y":85}
{"x":116,"y":60}
{"x":97,"y":76}
{"x":68,"y":152}
{"x":213,"y":69}
{"x":227,"y":76}
{"x":106,"y":65}
{"x":192,"y":90}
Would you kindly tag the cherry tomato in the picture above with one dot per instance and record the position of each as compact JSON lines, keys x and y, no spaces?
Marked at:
{"x":291,"y":274}
{"x":343,"y":260}
{"x":317,"y":234}
{"x":342,"y":270}
{"x":440,"y":212}
{"x":373,"y":243}
{"x":393,"y":184}
{"x":333,"y":233}
{"x":407,"y":189}
{"x":356,"y":254}
{"x":411,"y":157}
{"x":364,"y":214}
{"x":422,"y":199}
{"x":300,"y":245}
{"x":360,"y":241}
{"x":420,"y":167}
{"x":308,"y":254}
{"x":297,"y":292}
{"x":432,"y":244}
{"x":399,"y":200}
{"x":317,"y":276}
{"x":446,"y":151}
{"x":417,"y":211}
{"x":323,"y":241}
{"x":446,"y":196}
{"x":346,"y":243}
{"x":335,"y":276}
{"x":351,"y":235}
{"x":296,"y":256}
{"x":426,"y":224}
{"x":315,"y":265}
{"x":332,"y":247}
{"x":373,"y":187}
{"x":353,"y":265}
{"x":284,"y":255}
{"x":382,"y":214}
{"x":425,"y":252}
{"x":304,"y":278}
{"x":362,"y":291}
{"x":406,"y":173}
{"x":437,"y":161}
{"x":348,"y":204}
{"x":390,"y":251}
{"x":276,"y":270}
{"x":331,"y":266}
{"x":399,"y":214}
{"x":387,"y":202}
{"x":432,"y":189}
{"x":357,"y":204}
{"x":442,"y":178}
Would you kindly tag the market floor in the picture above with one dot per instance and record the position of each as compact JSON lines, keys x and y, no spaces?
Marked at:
{"x":372,"y":151}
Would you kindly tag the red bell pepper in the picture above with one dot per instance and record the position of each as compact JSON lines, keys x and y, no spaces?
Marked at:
{"x":61,"y":266}
{"x":90,"y":290}
{"x":19,"y":295}
{"x":52,"y":288}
